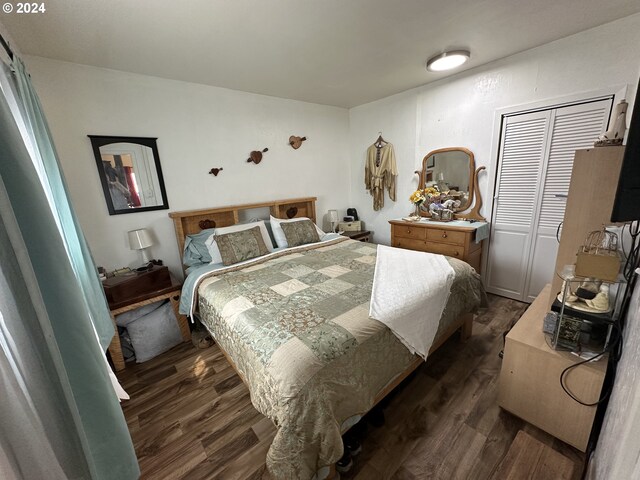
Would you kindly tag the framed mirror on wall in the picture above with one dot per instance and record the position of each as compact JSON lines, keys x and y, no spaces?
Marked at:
{"x":130,"y":173}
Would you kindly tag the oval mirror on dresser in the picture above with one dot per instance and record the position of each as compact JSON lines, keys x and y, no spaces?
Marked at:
{"x":453,"y":170}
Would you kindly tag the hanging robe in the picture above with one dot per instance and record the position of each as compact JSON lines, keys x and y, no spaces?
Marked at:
{"x":382,"y":176}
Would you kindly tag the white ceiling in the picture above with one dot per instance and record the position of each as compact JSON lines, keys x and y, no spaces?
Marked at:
{"x":334,"y":52}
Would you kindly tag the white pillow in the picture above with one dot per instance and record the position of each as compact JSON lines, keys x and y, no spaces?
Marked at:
{"x":212,"y":246}
{"x":278,"y":233}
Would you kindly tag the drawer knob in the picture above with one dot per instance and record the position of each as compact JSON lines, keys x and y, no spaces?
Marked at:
{"x":456,"y":254}
{"x":408,"y":230}
{"x":444,"y":235}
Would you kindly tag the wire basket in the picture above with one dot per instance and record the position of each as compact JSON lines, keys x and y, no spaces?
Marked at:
{"x":601,"y":242}
{"x":598,"y":257}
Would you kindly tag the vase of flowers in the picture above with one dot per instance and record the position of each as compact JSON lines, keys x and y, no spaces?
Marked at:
{"x":435,"y":201}
{"x":433,"y":197}
{"x":417,"y":198}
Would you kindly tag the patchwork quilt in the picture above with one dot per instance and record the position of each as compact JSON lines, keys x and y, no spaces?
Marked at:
{"x":297,"y":328}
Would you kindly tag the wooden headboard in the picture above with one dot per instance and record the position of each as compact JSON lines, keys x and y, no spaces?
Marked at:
{"x":193,"y":221}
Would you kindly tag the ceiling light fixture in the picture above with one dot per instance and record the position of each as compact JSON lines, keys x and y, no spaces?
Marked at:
{"x":448,"y":60}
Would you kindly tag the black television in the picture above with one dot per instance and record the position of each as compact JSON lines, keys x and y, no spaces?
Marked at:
{"x":626,"y":206}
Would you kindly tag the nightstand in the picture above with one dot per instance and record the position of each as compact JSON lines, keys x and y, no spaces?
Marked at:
{"x":136,"y":300}
{"x":363,"y":236}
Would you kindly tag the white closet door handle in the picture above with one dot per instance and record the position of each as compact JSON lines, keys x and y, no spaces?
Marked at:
{"x":561,"y":195}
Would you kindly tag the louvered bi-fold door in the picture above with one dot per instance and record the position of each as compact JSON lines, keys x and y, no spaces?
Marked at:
{"x":535,"y":164}
{"x":572,"y":128}
{"x":523,"y":147}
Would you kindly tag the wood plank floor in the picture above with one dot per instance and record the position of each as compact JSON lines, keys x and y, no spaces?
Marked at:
{"x":532,"y":459}
{"x":190,"y":416}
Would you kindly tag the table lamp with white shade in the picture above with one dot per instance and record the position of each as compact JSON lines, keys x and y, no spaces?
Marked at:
{"x":333,"y":219}
{"x":141,"y":239}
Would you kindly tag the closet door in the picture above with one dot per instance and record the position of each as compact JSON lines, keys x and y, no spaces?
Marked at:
{"x":522,"y":153}
{"x":572,"y":128}
{"x":534,"y":171}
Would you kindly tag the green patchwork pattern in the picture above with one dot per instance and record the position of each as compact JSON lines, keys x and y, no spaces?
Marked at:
{"x":296,"y":326}
{"x":296,"y":298}
{"x":328,"y":340}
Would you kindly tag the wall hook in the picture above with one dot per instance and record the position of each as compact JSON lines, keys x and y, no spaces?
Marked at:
{"x":295,"y":142}
{"x":215,"y":171}
{"x":256,"y":156}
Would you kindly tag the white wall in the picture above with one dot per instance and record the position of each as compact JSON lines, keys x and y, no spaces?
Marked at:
{"x":198,"y":127}
{"x":395,"y":117}
{"x":617,"y":454}
{"x":461,"y":110}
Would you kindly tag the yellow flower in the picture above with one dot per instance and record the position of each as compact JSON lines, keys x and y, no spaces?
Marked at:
{"x":417,"y":197}
{"x":431,"y":192}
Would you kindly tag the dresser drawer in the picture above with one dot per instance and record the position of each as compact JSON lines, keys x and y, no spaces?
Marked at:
{"x":446,"y":236}
{"x":444,"y":249}
{"x":409,"y":243}
{"x":410,"y":231}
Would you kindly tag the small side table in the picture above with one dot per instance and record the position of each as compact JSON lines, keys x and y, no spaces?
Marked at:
{"x":363,"y":236}
{"x":172,"y":293}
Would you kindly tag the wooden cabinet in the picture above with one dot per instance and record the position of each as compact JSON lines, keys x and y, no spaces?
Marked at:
{"x":120,"y":289}
{"x":453,"y":240}
{"x":362,"y":236}
{"x":530,"y":380}
{"x":592,"y":191}
{"x":530,"y":376}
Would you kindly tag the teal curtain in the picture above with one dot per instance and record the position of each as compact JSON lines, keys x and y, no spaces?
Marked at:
{"x":46,"y":161}
{"x":54,"y":321}
{"x":38,"y":438}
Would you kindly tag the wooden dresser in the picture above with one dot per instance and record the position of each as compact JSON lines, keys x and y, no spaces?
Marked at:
{"x":451,"y":239}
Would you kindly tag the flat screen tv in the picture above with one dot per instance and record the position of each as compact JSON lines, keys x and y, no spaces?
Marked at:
{"x":626,"y":207}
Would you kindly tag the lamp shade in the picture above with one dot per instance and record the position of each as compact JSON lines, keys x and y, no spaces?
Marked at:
{"x":139,"y":239}
{"x":333,"y":216}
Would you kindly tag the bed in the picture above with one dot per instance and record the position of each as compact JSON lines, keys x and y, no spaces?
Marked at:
{"x":295,"y":325}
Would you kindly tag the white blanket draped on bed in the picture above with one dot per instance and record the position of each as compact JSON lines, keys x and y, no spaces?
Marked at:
{"x":410,"y":291}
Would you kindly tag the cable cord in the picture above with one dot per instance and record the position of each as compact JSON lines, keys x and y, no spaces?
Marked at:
{"x":558,"y":232}
{"x":615,"y":347}
{"x":605,"y":396}
{"x":632,"y":258}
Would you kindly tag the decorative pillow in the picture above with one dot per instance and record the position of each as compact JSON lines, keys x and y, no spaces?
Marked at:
{"x":300,"y":233}
{"x":272,"y":237}
{"x":195,"y":248}
{"x":239,"y":246}
{"x":155,"y":333}
{"x":278,"y":233}
{"x":214,"y":251}
{"x":126,"y":318}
